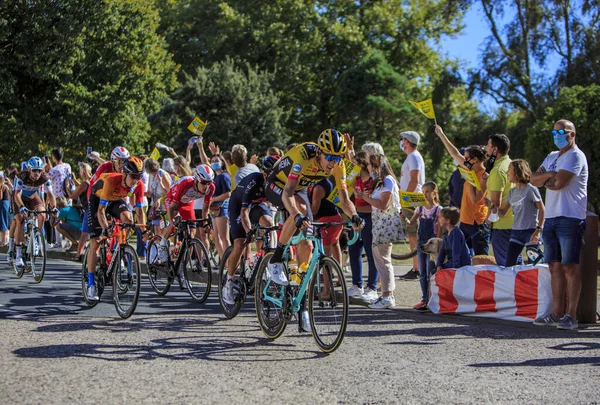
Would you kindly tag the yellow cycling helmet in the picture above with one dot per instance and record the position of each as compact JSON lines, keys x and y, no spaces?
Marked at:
{"x":332,"y":142}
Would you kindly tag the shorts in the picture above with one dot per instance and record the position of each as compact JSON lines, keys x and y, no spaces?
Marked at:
{"x":331,"y":234}
{"x":412,"y":229}
{"x":71,"y":230}
{"x":274,"y":191}
{"x":257,"y":211}
{"x":220,"y":211}
{"x":114,"y":209}
{"x":84,"y":223}
{"x":563,"y":238}
{"x":186,"y":211}
{"x":29,"y":203}
{"x":4,"y":215}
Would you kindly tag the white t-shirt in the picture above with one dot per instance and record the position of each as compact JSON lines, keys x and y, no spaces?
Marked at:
{"x":389,"y":185}
{"x":570,"y":201}
{"x":414,"y":161}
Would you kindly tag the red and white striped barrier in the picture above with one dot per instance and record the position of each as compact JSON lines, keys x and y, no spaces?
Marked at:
{"x":519,"y":293}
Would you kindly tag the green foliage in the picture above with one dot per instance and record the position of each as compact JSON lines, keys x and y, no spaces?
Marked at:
{"x":79,"y":72}
{"x":581,"y":105}
{"x":239,"y":105}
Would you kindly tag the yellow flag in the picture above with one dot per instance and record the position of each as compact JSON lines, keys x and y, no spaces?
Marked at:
{"x":426,"y":107}
{"x":197,"y":126}
{"x":409,"y":199}
{"x":155,"y":154}
{"x":470,"y":177}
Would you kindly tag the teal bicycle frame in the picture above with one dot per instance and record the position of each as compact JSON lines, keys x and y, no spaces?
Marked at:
{"x":318,"y":254}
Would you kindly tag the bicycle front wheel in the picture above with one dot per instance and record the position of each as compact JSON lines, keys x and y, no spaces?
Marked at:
{"x":198,"y":270}
{"x":239,"y":285}
{"x":270,"y":316}
{"x":126,"y":281}
{"x":38,"y":257}
{"x":328,"y":305}
{"x":158,"y":273}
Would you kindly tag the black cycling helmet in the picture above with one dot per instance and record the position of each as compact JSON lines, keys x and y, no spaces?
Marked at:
{"x":133,"y":165}
{"x":534,"y":253}
{"x":268,"y":163}
{"x":332,"y":142}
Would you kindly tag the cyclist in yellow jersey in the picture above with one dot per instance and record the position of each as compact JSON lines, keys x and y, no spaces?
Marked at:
{"x":303,"y":167}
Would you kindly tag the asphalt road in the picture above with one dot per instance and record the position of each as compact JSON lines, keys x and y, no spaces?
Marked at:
{"x":55,"y":350}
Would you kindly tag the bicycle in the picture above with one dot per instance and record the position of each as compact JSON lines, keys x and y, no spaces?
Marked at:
{"x":328,"y":310}
{"x":197,"y":272}
{"x":33,"y":248}
{"x":119,"y":266}
{"x":243,"y":279}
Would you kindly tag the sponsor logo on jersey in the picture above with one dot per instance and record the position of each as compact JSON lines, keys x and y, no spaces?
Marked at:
{"x":297,"y":168}
{"x":285,"y":163}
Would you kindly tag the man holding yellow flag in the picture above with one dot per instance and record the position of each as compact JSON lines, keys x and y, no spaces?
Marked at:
{"x":412,"y":177}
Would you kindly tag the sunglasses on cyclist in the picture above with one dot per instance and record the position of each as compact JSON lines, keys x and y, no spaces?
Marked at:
{"x":36,"y":170}
{"x":203,"y":182}
{"x":135,"y":176}
{"x":332,"y":158}
{"x":560,"y":132}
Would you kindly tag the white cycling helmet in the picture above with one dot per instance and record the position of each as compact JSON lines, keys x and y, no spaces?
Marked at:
{"x":204,"y":173}
{"x":119,"y":153}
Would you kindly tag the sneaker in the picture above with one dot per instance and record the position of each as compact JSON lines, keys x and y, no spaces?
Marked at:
{"x":420,"y":305}
{"x":304,"y":322}
{"x":546,"y":320}
{"x":355,"y":291}
{"x":183,"y":283}
{"x":370,"y":295}
{"x":568,"y":322}
{"x":228,"y":297}
{"x":92,"y":293}
{"x":19,"y":262}
{"x":277,"y":273}
{"x":383,"y":302}
{"x":412,"y":274}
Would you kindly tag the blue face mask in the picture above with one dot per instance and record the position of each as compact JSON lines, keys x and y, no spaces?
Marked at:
{"x":561,"y":141}
{"x":216,"y":166}
{"x":374,"y":175}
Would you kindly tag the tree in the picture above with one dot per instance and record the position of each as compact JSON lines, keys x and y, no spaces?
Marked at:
{"x":581,"y":105}
{"x":239,"y":105}
{"x":79,"y":72}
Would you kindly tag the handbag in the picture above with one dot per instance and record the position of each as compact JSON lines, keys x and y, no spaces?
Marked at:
{"x":388,"y":227}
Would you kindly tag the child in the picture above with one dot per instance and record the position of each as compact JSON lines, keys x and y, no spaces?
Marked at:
{"x":454,"y":252}
{"x":428,"y":228}
{"x":528,"y":210}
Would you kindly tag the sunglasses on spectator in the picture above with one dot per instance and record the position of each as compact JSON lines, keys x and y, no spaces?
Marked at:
{"x":560,"y":132}
{"x":36,"y":170}
{"x":332,"y":158}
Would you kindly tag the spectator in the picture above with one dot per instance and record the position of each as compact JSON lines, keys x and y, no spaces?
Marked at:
{"x":363,"y":183}
{"x":159,"y":183}
{"x":220,"y":203}
{"x":564,"y":173}
{"x":372,"y":148}
{"x":384,"y":192}
{"x":68,"y":221}
{"x":528,"y":209}
{"x":412,"y":177}
{"x":239,"y":155}
{"x":473,"y":211}
{"x":428,"y":228}
{"x":168,"y":166}
{"x":456,"y":184}
{"x":498,"y":187}
{"x":4,"y":210}
{"x":80,"y":193}
{"x":454,"y":252}
{"x":326,"y":211}
{"x":59,"y":173}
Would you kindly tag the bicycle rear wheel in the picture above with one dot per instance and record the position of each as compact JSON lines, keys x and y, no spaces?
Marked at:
{"x":38,"y":257}
{"x":239,"y":285}
{"x":198,"y":271}
{"x":328,"y":305}
{"x":270,"y":316}
{"x":158,"y":273}
{"x":126,"y":281}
